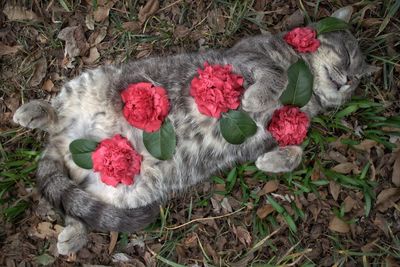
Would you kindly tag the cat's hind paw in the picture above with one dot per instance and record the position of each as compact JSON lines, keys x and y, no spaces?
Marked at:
{"x":255,"y":99}
{"x":72,"y":239}
{"x":36,"y":114}
{"x":284,"y":159}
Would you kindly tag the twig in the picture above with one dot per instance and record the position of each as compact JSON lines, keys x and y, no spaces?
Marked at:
{"x":172,"y":4}
{"x":204,"y":219}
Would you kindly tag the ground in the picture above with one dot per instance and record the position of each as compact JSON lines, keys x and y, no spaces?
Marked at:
{"x":339,"y":208}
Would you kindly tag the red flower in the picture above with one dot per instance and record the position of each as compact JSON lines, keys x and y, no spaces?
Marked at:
{"x":146,"y":106}
{"x":302,"y":39}
{"x":216,"y":89}
{"x":289,"y":126}
{"x":116,"y":161}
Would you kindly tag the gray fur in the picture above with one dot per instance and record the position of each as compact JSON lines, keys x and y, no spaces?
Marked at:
{"x":89,"y":106}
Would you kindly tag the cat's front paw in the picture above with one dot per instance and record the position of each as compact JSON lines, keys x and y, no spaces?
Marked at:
{"x":284,"y":159}
{"x":72,"y":239}
{"x":36,"y":114}
{"x":255,"y":99}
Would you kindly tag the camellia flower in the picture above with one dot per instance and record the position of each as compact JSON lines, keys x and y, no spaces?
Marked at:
{"x":116,"y":161}
{"x":146,"y":106}
{"x":289,"y":125}
{"x":216,"y":89}
{"x":302,"y":39}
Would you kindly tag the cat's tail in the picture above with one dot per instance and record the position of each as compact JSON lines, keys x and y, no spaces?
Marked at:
{"x":55,"y":185}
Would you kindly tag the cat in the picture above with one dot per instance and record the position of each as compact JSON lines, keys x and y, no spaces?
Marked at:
{"x":90,"y":105}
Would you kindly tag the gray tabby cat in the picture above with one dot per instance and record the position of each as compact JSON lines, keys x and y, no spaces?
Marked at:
{"x":90,"y":106}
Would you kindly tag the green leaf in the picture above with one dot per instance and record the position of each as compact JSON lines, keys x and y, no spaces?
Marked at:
{"x":290,"y":222}
{"x":236,"y":126}
{"x":81,"y":150}
{"x":330,"y":24}
{"x":299,"y":89}
{"x":161,"y":144}
{"x":275,"y":205}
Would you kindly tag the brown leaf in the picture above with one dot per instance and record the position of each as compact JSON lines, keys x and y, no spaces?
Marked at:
{"x":349,"y":203}
{"x":344,"y":168}
{"x":190,"y":241}
{"x":132,"y":26}
{"x":103,"y":10}
{"x":387,"y":198}
{"x":45,"y":230}
{"x":148,"y":10}
{"x":94,"y":55}
{"x":75,"y":41}
{"x":243,"y":235}
{"x":40,"y":72}
{"x":270,"y":186}
{"x":113,"y":242}
{"x":336,"y":156}
{"x":9,"y":50}
{"x":14,"y":12}
{"x":334,"y":189}
{"x":396,"y":171}
{"x":216,"y":20}
{"x":181,"y":31}
{"x":12,"y":102}
{"x":366,"y":145}
{"x":338,"y":225}
{"x":89,"y":22}
{"x":264,"y":211}
{"x":48,"y":86}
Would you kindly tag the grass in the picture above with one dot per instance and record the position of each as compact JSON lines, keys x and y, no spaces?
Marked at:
{"x":373,"y":115}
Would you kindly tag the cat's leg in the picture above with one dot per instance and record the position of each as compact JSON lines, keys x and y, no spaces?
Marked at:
{"x":284,"y":159}
{"x":72,"y":238}
{"x":265,"y":91}
{"x":36,"y":114}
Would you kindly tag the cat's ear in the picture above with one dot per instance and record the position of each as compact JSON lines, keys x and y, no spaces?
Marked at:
{"x":343,"y":13}
{"x":370,"y":69}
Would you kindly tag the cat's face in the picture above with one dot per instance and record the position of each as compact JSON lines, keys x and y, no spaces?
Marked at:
{"x":338,"y":66}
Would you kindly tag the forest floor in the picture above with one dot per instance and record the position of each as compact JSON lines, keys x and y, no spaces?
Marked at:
{"x":340,"y":208}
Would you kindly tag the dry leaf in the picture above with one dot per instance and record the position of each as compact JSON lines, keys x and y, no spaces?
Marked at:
{"x":190,"y":241}
{"x":45,"y":230}
{"x":270,"y":186}
{"x":149,"y":9}
{"x":216,"y":20}
{"x":94,"y":55}
{"x":344,"y":168}
{"x":9,"y":50}
{"x":366,"y":145}
{"x":113,"y":241}
{"x":89,"y":21}
{"x":39,"y":73}
{"x":336,"y":156}
{"x":387,"y":198}
{"x":243,"y":235}
{"x":334,"y":189}
{"x":14,"y":12}
{"x":48,"y":86}
{"x":338,"y":225}
{"x":264,"y":211}
{"x":296,"y":19}
{"x":226,"y":205}
{"x":181,"y":31}
{"x":75,"y":41}
{"x":396,"y":171}
{"x":103,"y":10}
{"x":349,"y":203}
{"x":12,"y":102}
{"x":132,"y":26}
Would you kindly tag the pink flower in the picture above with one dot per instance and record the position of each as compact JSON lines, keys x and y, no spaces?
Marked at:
{"x":216,"y":89}
{"x":116,"y":161}
{"x":146,"y":106}
{"x":289,"y":126}
{"x":302,"y":39}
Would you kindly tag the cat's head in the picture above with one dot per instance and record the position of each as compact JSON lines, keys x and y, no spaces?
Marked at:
{"x":338,"y":64}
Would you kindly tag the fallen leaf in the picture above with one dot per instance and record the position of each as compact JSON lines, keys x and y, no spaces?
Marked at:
{"x":366,"y":145}
{"x":264,"y":211}
{"x":338,"y":225}
{"x":45,"y":230}
{"x":89,"y":22}
{"x":103,"y":10}
{"x":121,"y":257}
{"x":181,"y":31}
{"x":382,"y":224}
{"x":216,"y":20}
{"x":9,"y":50}
{"x":336,"y":156}
{"x":113,"y":241}
{"x":14,"y":12}
{"x":12,"y":102}
{"x":48,"y":86}
{"x":270,"y":186}
{"x":45,"y":259}
{"x":296,"y":19}
{"x":94,"y":55}
{"x":387,"y":198}
{"x":226,"y":205}
{"x":334,"y":189}
{"x":190,"y":241}
{"x":75,"y":41}
{"x":97,"y":36}
{"x":132,"y":26}
{"x":344,"y":168}
{"x":243,"y":235}
{"x":396,"y":171}
{"x":40,"y":72}
{"x":148,"y":10}
{"x":349,"y":203}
